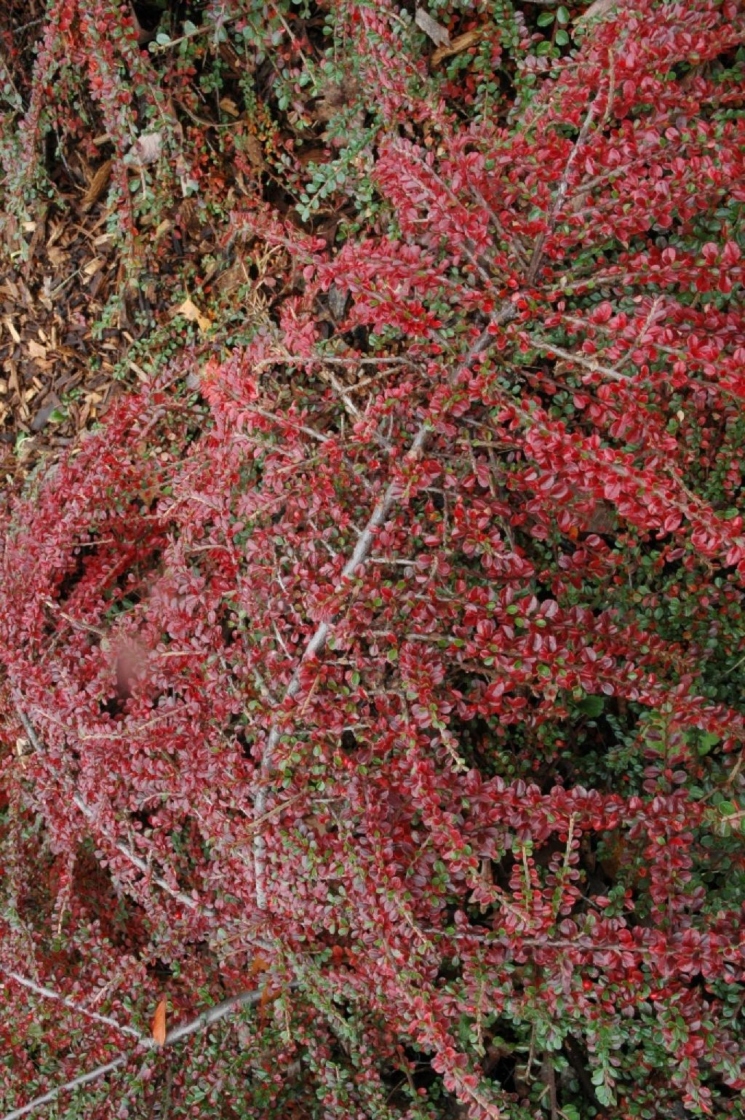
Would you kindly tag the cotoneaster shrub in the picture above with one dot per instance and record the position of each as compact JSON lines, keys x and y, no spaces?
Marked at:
{"x":394,"y":660}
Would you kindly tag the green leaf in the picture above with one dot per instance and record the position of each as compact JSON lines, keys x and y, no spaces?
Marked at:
{"x":706,"y":742}
{"x":545,"y":19}
{"x":592,"y":706}
{"x":562,"y":15}
{"x":604,"y":1095}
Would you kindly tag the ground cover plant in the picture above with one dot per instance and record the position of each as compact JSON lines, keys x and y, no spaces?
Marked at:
{"x":372,"y":672}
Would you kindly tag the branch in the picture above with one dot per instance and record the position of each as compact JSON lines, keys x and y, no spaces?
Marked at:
{"x":179,"y":896}
{"x":580,"y":360}
{"x":48,"y":993}
{"x":201,"y":1022}
{"x":53,"y":1094}
{"x":537,"y":258}
{"x":318,"y":640}
{"x":211,"y":1015}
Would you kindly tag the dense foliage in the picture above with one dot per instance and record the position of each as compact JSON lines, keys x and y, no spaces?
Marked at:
{"x":385,"y":651}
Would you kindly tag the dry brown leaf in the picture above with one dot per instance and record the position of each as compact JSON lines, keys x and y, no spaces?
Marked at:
{"x":44,"y":415}
{"x":191,"y":312}
{"x":98,"y":184}
{"x":439,"y":35}
{"x":159,"y":1023}
{"x":254,"y":151}
{"x":231,"y":279}
{"x":147,"y":149}
{"x":460,"y":43}
{"x":189,"y":216}
{"x":598,"y":8}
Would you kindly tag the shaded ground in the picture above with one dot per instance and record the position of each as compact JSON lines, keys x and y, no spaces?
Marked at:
{"x":80,"y":313}
{"x":70,"y":323}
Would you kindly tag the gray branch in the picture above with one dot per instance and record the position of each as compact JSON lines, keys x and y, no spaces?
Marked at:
{"x":199,"y":1023}
{"x":317,"y":641}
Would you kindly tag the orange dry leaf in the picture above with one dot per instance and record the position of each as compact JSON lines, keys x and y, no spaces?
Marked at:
{"x":258,"y":964}
{"x":268,"y":996}
{"x":159,"y":1023}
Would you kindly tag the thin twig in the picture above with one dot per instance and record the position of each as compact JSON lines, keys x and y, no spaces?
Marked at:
{"x":210,"y":1016}
{"x":537,"y":258}
{"x":579,"y":359}
{"x":49,"y":993}
{"x":141,"y":865}
{"x":25,"y":26}
{"x":179,"y":896}
{"x":199,"y":1023}
{"x":318,"y":640}
{"x":69,"y":1086}
{"x":288,"y":422}
{"x":357,"y":361}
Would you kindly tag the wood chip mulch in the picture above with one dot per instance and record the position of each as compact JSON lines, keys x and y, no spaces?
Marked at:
{"x":68,"y":322}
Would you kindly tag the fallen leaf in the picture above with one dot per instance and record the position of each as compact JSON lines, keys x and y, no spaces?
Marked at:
{"x":98,"y":184}
{"x":159,"y":1023}
{"x":254,"y":151}
{"x":51,"y":413}
{"x":258,"y":964}
{"x":599,"y":8}
{"x":268,"y":996}
{"x":229,"y":106}
{"x":460,"y":43}
{"x":147,"y":149}
{"x":189,"y":310}
{"x":439,"y":35}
